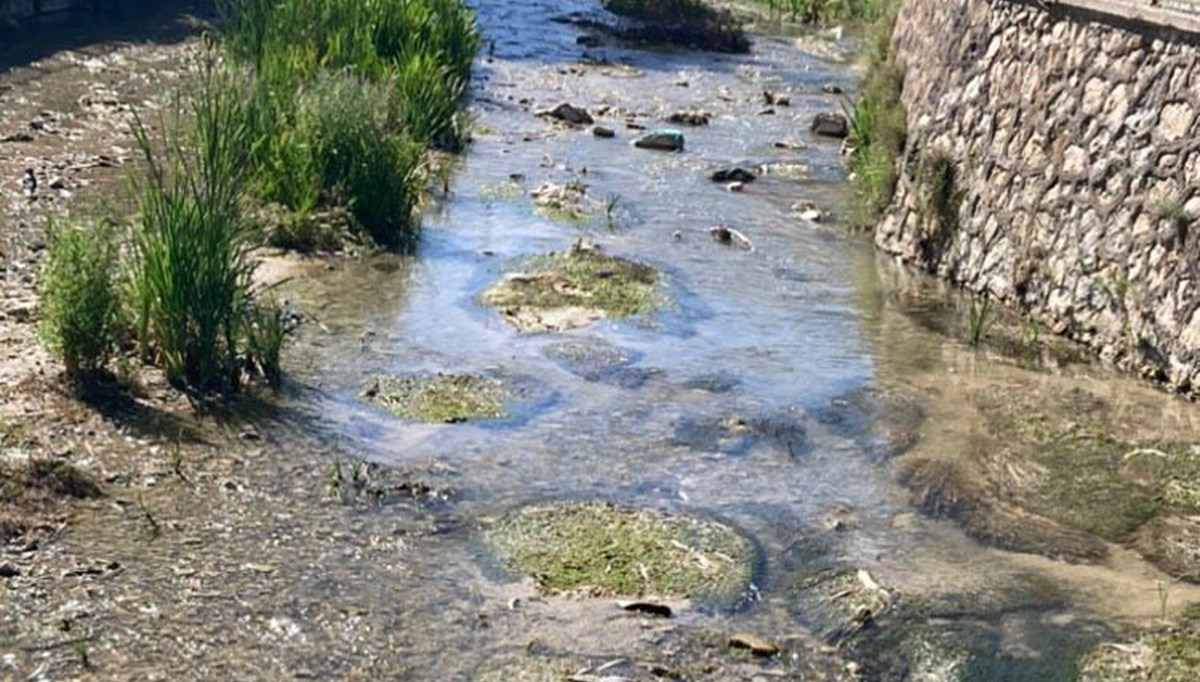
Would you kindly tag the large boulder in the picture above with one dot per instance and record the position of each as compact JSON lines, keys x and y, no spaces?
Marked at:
{"x":831,"y":124}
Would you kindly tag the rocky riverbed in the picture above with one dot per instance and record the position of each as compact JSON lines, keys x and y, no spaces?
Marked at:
{"x":751,"y":451}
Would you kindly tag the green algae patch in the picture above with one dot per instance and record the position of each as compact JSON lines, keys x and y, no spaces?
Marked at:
{"x":1169,"y":655}
{"x":571,"y":289}
{"x":440,"y":398}
{"x":604,"y":550}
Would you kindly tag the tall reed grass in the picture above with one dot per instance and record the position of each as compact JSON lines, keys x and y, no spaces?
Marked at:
{"x":191,"y":270}
{"x":348,"y":93}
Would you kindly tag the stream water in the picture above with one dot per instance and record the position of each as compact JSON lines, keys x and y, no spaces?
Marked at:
{"x":807,"y":332}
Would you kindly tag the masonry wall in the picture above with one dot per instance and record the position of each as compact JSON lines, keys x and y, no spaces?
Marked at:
{"x":1074,"y":141}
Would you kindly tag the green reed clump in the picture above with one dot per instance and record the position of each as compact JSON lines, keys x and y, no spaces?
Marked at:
{"x":345,"y":144}
{"x":693,"y":23}
{"x":79,"y":295}
{"x":191,"y":270}
{"x":348,"y":94}
{"x":878,"y":123}
{"x":827,"y":11}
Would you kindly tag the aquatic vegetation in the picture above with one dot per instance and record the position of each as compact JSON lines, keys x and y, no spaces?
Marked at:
{"x":692,"y":23}
{"x":980,"y":318}
{"x":878,"y":123}
{"x":939,"y":198}
{"x":573,"y":288}
{"x":440,"y":398}
{"x":827,"y":11}
{"x":80,"y":301}
{"x":1167,"y":654}
{"x":606,"y":550}
{"x":348,"y":96}
{"x":191,"y":269}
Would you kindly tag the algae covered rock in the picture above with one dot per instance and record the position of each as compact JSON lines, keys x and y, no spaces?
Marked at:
{"x":666,"y":140}
{"x":605,"y":550}
{"x":572,"y":289}
{"x":440,"y":398}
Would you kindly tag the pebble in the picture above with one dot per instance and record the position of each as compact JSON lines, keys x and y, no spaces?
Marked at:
{"x":601,"y":131}
{"x":756,"y":645}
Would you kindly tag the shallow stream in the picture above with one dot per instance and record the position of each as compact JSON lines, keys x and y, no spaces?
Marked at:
{"x":845,"y":358}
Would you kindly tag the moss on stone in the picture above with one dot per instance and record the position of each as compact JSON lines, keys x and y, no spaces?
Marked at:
{"x":439,"y":398}
{"x":606,"y":550}
{"x":570,"y":289}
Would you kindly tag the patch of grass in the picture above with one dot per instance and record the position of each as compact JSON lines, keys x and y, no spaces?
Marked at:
{"x":878,"y":122}
{"x":939,"y":197}
{"x":692,"y":23}
{"x":348,"y":96}
{"x":362,"y":155}
{"x":827,"y":11}
{"x":32,"y":493}
{"x":980,"y":319}
{"x":440,"y":398}
{"x":581,"y":278}
{"x":606,"y":550}
{"x":79,"y":295}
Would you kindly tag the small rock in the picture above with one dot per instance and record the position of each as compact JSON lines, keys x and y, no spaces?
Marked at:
{"x":756,"y":645}
{"x":58,"y":183}
{"x":831,"y":89}
{"x":569,"y":113}
{"x":677,"y":235}
{"x":776,"y":99}
{"x":831,"y":124}
{"x":731,"y":237}
{"x":682,"y":84}
{"x":19,"y":136}
{"x":788,"y":144}
{"x":646,"y":607}
{"x":690,"y":118}
{"x":589,"y":41}
{"x":736,"y":186}
{"x":807,"y":210}
{"x":662,"y":140}
{"x":601,"y":131}
{"x":767,"y":112}
{"x":9,"y":571}
{"x":734,"y":174}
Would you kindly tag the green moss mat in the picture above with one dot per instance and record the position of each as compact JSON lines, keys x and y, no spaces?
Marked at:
{"x":605,"y":550}
{"x":440,"y":398}
{"x":584,"y":280}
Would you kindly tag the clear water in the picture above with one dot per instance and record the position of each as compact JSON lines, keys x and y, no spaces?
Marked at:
{"x":808,"y":323}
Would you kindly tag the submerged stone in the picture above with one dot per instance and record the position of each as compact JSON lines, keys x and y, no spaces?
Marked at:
{"x":663,"y":140}
{"x":831,"y":124}
{"x":439,"y":398}
{"x":567,"y":290}
{"x":737,"y":434}
{"x":569,"y":113}
{"x":604,"y":550}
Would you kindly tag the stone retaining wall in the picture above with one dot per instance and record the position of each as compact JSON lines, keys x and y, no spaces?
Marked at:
{"x":1072,"y":136}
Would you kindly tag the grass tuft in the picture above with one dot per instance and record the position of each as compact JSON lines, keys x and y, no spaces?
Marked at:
{"x":878,"y":123}
{"x":79,"y":295}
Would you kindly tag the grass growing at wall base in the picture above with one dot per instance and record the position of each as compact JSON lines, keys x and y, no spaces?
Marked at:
{"x":878,"y":123}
